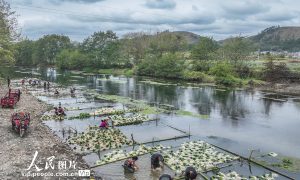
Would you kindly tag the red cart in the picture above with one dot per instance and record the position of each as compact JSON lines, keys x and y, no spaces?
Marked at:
{"x":11,"y":98}
{"x":20,"y":122}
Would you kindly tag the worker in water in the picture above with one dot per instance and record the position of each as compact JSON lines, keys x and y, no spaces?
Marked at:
{"x":104,"y":124}
{"x":130,"y":165}
{"x":56,"y":92}
{"x":48,"y":85}
{"x":190,"y":173}
{"x":157,"y":161}
{"x":72,"y":91}
{"x":8,"y":82}
{"x":165,"y":177}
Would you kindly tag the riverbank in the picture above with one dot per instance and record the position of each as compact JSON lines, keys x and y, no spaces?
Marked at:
{"x":16,"y":154}
{"x":287,"y":89}
{"x":281,"y":88}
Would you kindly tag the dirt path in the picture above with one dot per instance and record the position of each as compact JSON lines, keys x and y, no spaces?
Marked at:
{"x":16,"y":154}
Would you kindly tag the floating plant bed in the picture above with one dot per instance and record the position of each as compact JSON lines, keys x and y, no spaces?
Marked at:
{"x":142,"y":106}
{"x":80,"y":116}
{"x":118,"y":155}
{"x":107,"y":111}
{"x":51,"y":117}
{"x":198,"y":154}
{"x":96,"y":139}
{"x":121,"y":120}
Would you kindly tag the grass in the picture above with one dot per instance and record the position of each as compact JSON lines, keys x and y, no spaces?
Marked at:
{"x":139,"y":104}
{"x":188,"y":113}
{"x":156,"y":83}
{"x":126,"y":72}
{"x":285,"y":163}
{"x":288,"y":163}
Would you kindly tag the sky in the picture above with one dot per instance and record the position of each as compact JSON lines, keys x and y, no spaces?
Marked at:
{"x":219,"y":19}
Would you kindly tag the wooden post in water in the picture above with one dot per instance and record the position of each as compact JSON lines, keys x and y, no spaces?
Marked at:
{"x":63,"y":132}
{"x":99,"y":150}
{"x":153,"y":141}
{"x":189,"y":131}
{"x":132,"y":139}
{"x":251,"y":152}
{"x":75,"y":132}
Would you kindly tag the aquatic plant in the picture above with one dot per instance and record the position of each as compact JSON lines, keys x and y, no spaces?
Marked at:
{"x":96,"y":139}
{"x":46,"y":117}
{"x":199,"y":154}
{"x":80,"y":116}
{"x":235,"y":176}
{"x":118,"y":155}
{"x":120,"y":120}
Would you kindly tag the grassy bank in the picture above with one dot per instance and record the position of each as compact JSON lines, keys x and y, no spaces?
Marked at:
{"x":188,"y":76}
{"x":113,"y":71}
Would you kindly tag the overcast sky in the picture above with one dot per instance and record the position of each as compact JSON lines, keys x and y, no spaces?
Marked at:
{"x":218,"y":18}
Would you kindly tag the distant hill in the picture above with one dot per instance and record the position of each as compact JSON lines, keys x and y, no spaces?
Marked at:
{"x":190,"y":37}
{"x":278,"y":39}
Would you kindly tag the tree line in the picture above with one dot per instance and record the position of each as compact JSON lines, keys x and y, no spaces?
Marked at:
{"x":163,"y":54}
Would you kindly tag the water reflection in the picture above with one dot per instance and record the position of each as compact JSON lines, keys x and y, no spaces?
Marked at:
{"x":237,"y":115}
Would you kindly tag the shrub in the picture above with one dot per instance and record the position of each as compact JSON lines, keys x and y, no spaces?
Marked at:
{"x":167,"y":66}
{"x":197,"y":76}
{"x":227,"y":81}
{"x":222,"y":70}
{"x":225,"y":74}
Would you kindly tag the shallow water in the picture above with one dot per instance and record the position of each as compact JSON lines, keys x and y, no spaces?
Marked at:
{"x":237,"y":120}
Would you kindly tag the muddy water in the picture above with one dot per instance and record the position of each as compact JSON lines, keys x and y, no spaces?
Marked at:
{"x":235,"y":119}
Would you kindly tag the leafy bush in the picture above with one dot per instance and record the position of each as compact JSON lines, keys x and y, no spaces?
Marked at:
{"x":274,"y":72}
{"x":71,"y":59}
{"x":202,"y":65}
{"x":225,"y":74}
{"x":197,"y":76}
{"x":222,"y":70}
{"x":168,"y":65}
{"x":227,"y":81}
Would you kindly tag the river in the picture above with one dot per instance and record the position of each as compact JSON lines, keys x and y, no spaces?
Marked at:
{"x":235,"y":119}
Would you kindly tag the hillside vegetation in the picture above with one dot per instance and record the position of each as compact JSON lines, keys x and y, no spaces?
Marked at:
{"x":278,"y":39}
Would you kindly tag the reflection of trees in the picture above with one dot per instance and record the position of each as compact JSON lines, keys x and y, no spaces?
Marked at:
{"x":200,"y":99}
{"x":111,"y":87}
{"x":267,"y":106}
{"x":231,"y":105}
{"x":161,"y":94}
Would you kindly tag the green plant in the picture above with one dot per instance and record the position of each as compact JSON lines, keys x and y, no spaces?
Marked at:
{"x":197,"y":76}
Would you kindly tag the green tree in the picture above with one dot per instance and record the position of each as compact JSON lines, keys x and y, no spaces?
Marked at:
{"x":8,"y":32}
{"x":205,"y":49}
{"x":165,"y":42}
{"x":203,"y":53}
{"x":71,"y":59}
{"x":134,"y":46}
{"x":23,"y":52}
{"x":169,"y":65}
{"x":102,"y":48}
{"x":47,"y":47}
{"x":237,"y":49}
